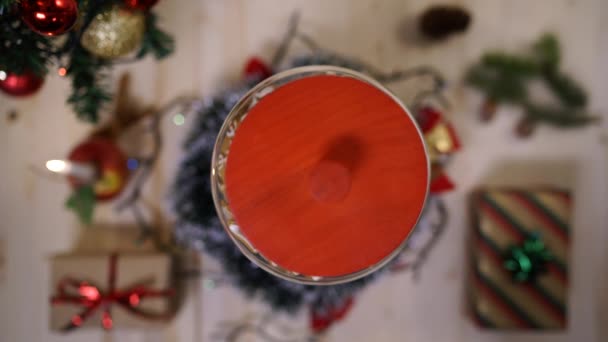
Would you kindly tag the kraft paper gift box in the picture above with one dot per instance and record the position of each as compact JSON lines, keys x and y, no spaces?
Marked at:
{"x":141,"y":298}
{"x":515,"y":293}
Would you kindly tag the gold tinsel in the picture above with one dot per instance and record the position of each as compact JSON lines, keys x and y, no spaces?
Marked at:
{"x":114,"y":32}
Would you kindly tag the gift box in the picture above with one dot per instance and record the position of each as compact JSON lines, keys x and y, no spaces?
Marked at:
{"x":520,"y":250}
{"x":110,"y":291}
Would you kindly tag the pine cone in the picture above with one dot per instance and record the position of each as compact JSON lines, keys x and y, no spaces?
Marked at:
{"x":439,"y":22}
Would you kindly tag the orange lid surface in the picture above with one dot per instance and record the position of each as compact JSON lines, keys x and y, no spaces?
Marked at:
{"x":326,"y":175}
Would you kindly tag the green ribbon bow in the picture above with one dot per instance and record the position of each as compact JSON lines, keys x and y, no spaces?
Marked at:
{"x":528,"y":260}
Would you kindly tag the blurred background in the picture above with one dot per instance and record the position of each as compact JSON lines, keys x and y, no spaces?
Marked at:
{"x":215,"y":42}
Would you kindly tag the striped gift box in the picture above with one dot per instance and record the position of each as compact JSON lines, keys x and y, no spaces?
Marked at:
{"x":504,"y":218}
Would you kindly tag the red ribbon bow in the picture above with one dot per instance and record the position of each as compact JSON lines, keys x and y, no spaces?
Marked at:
{"x":91,"y":298}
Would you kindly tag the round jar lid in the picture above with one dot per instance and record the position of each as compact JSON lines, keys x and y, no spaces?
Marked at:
{"x":324,"y":175}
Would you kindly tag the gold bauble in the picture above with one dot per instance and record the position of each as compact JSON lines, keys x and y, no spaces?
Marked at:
{"x":114,"y":32}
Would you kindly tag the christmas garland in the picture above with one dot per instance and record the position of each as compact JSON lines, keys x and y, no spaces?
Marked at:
{"x":198,"y":226}
{"x":504,"y":78}
{"x":79,"y":48}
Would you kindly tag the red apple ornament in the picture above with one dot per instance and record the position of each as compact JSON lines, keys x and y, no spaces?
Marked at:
{"x":110,"y":162}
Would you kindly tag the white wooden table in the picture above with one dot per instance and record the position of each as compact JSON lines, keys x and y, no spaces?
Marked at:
{"x":214,"y":38}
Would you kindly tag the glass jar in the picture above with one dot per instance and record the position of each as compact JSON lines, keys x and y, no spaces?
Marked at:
{"x":332,"y":176}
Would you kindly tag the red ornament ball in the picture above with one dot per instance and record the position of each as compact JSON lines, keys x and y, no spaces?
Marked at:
{"x":24,"y":84}
{"x":140,"y":4}
{"x":49,"y":17}
{"x":257,"y":68}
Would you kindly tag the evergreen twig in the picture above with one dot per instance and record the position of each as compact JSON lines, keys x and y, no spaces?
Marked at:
{"x":498,"y":86}
{"x":155,"y":41}
{"x":513,"y":65}
{"x":547,"y":51}
{"x":89,"y":93}
{"x":566,"y":88}
{"x":504,"y":79}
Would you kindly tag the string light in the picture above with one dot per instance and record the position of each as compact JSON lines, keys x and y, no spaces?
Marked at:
{"x":58,"y":166}
{"x":179,"y":119}
{"x":209,"y":284}
{"x":2,"y":75}
{"x":134,"y":299}
{"x":132,"y":164}
{"x":62,"y":71}
{"x":82,"y":171}
{"x":77,"y":320}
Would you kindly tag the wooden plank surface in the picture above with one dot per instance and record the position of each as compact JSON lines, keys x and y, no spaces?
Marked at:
{"x":215,"y":37}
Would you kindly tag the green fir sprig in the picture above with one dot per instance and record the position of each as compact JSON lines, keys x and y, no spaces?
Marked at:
{"x":509,"y":89}
{"x":156,"y":41}
{"x":89,"y":91}
{"x":504,"y":78}
{"x":566,"y":89}
{"x":546,"y":51}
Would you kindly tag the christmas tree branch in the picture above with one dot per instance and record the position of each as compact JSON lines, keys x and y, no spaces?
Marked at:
{"x":22,"y":49}
{"x":547,"y":51}
{"x":89,"y":93}
{"x":512,"y":65}
{"x":155,"y":41}
{"x":498,"y":86}
{"x":5,"y":5}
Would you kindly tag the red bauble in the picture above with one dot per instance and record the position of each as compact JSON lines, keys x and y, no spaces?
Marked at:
{"x":49,"y":17}
{"x":25,"y":84}
{"x":256,"y":67}
{"x":140,"y":4}
{"x":111,"y":165}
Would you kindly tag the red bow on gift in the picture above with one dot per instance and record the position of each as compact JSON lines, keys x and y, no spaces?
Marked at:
{"x":91,"y":298}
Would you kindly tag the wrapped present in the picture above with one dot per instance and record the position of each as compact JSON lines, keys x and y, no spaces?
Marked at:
{"x":520,"y":251}
{"x":110,"y":290}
